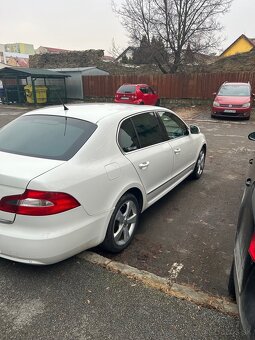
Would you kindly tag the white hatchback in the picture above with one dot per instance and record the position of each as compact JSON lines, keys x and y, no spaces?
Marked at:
{"x":73,"y":179}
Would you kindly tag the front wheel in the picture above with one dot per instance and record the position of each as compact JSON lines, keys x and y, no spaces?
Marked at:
{"x":122,"y":225}
{"x":200,"y":164}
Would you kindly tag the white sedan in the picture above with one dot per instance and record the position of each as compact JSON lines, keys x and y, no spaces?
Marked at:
{"x":73,"y":179}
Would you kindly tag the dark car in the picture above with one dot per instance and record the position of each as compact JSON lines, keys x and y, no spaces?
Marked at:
{"x":242,"y":276}
{"x":233,"y":100}
{"x":136,"y":94}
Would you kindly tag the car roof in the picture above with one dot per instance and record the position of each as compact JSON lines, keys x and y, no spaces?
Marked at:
{"x":94,"y":112}
{"x":236,"y":83}
{"x":134,"y":84}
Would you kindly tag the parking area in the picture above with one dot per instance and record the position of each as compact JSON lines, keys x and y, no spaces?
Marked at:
{"x":188,"y":235}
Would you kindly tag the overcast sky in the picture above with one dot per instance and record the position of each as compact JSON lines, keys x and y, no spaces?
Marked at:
{"x":86,"y":24}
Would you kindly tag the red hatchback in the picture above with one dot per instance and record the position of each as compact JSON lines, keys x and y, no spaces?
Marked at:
{"x":233,"y":100}
{"x":136,"y":94}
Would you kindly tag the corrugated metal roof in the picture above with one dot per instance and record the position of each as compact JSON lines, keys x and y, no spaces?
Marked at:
{"x":74,"y":69}
{"x":31,"y":72}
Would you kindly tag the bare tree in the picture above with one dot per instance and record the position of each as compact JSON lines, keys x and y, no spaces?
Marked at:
{"x":179,"y":24}
{"x":115,"y":50}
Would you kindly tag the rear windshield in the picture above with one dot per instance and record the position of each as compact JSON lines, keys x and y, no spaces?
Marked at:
{"x":51,"y":137}
{"x":234,"y":90}
{"x":126,"y":89}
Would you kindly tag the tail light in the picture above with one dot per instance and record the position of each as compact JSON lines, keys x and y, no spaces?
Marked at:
{"x":252,"y":248}
{"x":38,"y":203}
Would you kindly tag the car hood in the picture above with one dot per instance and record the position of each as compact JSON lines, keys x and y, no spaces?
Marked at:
{"x":17,"y":171}
{"x":232,"y":100}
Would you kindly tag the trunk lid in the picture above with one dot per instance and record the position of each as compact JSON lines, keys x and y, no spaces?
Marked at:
{"x":16,"y":172}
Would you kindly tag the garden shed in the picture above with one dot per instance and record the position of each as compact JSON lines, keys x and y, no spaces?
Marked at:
{"x":74,"y":84}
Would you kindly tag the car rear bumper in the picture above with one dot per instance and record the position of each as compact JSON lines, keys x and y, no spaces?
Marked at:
{"x":137,"y":102}
{"x":239,"y":112}
{"x":50,"y":239}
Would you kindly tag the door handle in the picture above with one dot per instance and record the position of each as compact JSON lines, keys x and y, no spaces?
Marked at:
{"x":177,"y":151}
{"x":144,"y":165}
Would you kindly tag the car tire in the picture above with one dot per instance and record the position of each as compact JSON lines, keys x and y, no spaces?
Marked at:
{"x":142,"y":103}
{"x":199,"y":168}
{"x":231,"y":283}
{"x":157,"y":102}
{"x":120,"y":232}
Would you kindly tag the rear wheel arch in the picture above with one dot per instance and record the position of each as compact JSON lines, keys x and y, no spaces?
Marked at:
{"x":138,"y":195}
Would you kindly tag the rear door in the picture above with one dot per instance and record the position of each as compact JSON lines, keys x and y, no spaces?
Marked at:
{"x":147,"y":100}
{"x":144,"y":144}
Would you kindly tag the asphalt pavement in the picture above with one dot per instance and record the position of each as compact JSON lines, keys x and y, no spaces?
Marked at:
{"x":77,"y":300}
{"x":193,"y":227}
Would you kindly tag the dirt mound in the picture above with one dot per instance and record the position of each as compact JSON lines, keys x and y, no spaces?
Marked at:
{"x":244,"y":62}
{"x":85,"y":59}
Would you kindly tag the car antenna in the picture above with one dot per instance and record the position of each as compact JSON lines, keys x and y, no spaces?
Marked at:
{"x":65,"y":109}
{"x":61,"y":101}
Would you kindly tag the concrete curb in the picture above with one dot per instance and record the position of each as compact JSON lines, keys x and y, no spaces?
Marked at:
{"x":163,"y":284}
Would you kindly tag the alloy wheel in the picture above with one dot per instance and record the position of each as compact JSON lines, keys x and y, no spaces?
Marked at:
{"x":125,"y":222}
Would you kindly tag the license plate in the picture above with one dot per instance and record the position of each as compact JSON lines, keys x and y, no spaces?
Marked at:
{"x":124,"y":98}
{"x":230,"y":111}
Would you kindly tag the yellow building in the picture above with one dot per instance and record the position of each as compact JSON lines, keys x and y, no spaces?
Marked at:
{"x":20,"y":48}
{"x":240,"y":45}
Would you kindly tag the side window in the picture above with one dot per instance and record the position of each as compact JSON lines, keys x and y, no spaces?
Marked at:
{"x":127,"y":137}
{"x":174,"y":126}
{"x":150,"y":90}
{"x":148,"y":129}
{"x":144,"y":89}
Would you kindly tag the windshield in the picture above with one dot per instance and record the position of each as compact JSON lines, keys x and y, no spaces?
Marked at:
{"x":126,"y":89}
{"x":51,"y":137}
{"x":234,"y":90}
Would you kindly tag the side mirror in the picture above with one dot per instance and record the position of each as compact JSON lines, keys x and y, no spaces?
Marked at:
{"x":195,"y":130}
{"x":214,"y":94}
{"x":251,"y":136}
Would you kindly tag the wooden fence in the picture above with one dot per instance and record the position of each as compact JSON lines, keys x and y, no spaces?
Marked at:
{"x":170,"y":86}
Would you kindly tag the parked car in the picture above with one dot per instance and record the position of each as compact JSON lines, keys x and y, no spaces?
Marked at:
{"x":242,"y":276}
{"x":73,"y":179}
{"x":233,"y":100}
{"x":136,"y":94}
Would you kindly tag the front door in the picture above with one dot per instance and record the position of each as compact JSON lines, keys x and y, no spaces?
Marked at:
{"x":184,"y":144}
